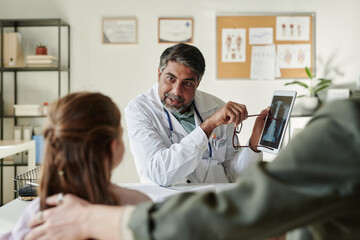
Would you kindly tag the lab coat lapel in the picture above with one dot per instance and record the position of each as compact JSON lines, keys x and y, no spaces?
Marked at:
{"x":205,"y":105}
{"x":197,"y":120}
{"x":153,"y":96}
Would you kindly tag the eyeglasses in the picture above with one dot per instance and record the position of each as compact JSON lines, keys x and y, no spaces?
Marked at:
{"x":237,"y":130}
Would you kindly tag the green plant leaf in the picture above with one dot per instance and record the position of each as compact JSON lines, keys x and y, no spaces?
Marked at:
{"x":322,"y":83}
{"x":322,"y":80}
{"x":300,"y":96}
{"x":308,"y":72}
{"x":41,"y":45}
{"x":321,"y":88}
{"x":298,"y":83}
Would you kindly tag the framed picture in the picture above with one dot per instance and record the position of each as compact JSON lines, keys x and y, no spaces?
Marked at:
{"x":176,"y":30}
{"x":119,"y":30}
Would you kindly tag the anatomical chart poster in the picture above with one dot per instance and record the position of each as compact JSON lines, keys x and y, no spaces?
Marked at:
{"x":294,"y":55}
{"x":292,"y":28}
{"x":233,"y":45}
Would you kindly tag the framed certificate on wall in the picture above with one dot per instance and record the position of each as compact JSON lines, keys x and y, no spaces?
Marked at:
{"x":176,"y":30}
{"x":119,"y":30}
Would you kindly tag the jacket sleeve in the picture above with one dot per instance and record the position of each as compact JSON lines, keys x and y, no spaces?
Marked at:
{"x":161,"y":164}
{"x":314,"y":181}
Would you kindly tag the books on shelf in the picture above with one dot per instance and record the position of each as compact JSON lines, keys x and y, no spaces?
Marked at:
{"x":41,"y":57}
{"x":42,"y":61}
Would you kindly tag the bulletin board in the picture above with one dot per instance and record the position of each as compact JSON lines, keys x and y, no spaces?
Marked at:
{"x":227,"y":69}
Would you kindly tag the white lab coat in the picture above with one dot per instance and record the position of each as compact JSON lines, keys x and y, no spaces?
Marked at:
{"x":162,"y":162}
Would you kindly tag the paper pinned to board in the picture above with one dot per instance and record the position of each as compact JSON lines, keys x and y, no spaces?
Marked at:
{"x":292,"y":28}
{"x":261,"y":36}
{"x":263,"y":62}
{"x":233,"y":45}
{"x":294,"y":55}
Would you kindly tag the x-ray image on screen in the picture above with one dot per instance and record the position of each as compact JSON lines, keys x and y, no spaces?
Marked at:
{"x":273,"y":129}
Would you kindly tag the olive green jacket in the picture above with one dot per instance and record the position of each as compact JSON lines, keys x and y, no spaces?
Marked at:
{"x":313,"y":186}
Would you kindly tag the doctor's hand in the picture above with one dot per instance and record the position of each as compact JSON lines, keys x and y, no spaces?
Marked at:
{"x":232,"y":112}
{"x":75,"y":218}
{"x":257,"y":129}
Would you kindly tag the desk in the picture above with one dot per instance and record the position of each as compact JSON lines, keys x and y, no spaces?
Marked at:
{"x":203,"y":187}
{"x":11,"y":147}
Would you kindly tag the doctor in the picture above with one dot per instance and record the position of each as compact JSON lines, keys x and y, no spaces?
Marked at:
{"x":180,"y":134}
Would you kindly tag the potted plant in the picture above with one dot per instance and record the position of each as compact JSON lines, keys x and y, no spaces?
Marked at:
{"x":311,"y":101}
{"x":41,"y":49}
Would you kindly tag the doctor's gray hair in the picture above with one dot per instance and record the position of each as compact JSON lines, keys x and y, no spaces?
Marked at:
{"x":185,"y":54}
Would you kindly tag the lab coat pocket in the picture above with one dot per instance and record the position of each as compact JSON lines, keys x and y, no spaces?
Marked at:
{"x":219,"y":146}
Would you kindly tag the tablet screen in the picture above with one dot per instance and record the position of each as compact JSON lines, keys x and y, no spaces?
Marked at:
{"x":273,"y":131}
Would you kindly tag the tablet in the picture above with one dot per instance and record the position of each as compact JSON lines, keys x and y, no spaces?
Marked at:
{"x":274,"y":128}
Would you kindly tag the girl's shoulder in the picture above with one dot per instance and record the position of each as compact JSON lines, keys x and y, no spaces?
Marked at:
{"x":21,"y":227}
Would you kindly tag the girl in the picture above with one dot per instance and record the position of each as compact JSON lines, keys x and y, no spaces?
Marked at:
{"x":83,"y":144}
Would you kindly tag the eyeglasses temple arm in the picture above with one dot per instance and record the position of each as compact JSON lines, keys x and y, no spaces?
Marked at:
{"x":268,"y":115}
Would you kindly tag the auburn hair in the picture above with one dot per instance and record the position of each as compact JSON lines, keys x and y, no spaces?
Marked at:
{"x":78,"y":156}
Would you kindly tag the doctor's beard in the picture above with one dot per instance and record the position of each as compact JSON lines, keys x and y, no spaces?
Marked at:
{"x":174,"y":109}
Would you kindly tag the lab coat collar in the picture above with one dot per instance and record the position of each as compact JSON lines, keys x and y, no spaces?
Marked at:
{"x":205,"y":103}
{"x":153,"y":96}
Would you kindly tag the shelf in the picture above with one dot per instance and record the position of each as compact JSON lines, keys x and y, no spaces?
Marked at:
{"x":33,"y":22}
{"x":56,"y":24}
{"x":35,"y":69}
{"x":14,"y":164}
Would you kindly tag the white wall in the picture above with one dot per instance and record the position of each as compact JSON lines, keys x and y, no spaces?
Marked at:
{"x":124,"y":71}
